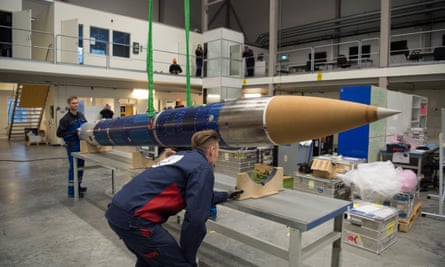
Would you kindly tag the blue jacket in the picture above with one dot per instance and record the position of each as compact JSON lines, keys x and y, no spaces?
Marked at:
{"x":182,"y":181}
{"x":68,"y":126}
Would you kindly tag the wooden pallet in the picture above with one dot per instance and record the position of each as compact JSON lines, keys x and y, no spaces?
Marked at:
{"x":28,"y":143}
{"x":406,"y":224}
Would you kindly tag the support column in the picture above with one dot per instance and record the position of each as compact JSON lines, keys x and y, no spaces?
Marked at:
{"x":385,"y":38}
{"x":204,"y":16}
{"x":273,"y":32}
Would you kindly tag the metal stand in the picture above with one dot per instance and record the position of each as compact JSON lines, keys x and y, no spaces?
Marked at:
{"x":441,"y":196}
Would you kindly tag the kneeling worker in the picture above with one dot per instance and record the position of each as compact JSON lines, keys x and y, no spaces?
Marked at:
{"x":182,"y":181}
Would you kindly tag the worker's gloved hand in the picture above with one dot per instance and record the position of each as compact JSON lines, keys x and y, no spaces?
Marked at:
{"x":235,"y":193}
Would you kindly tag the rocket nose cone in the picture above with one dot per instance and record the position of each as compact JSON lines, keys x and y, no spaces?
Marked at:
{"x":386,"y":112}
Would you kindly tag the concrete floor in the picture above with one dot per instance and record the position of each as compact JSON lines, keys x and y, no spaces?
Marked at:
{"x":40,"y":226}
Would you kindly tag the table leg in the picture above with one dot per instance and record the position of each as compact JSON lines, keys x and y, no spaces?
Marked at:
{"x":336,"y":245}
{"x":419,"y":173}
{"x":76,"y":178}
{"x":295,"y":247}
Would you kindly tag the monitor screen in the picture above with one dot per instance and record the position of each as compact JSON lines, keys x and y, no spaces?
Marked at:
{"x":319,"y":56}
{"x":399,"y":47}
{"x":353,"y":52}
{"x":366,"y":51}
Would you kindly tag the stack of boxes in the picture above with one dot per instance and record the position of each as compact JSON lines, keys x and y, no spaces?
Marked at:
{"x":231,"y":162}
{"x":323,"y":179}
{"x":405,"y":202}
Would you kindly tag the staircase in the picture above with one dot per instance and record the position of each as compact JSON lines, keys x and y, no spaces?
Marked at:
{"x":27,"y":110}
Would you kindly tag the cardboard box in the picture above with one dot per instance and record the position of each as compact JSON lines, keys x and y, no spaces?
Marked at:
{"x":323,"y":168}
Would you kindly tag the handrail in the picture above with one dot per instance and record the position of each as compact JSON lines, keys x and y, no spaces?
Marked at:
{"x":53,"y":43}
{"x":359,"y":44}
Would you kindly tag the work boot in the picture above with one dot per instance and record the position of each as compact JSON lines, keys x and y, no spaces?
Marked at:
{"x":83,"y":189}
{"x":71,"y":192}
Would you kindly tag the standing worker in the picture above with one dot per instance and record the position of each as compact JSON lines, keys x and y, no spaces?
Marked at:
{"x":182,"y":181}
{"x":67,"y":129}
{"x":250,"y":61}
{"x":106,"y":112}
{"x":199,"y":53}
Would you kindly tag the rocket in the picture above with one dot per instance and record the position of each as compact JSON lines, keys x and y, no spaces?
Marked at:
{"x":240,"y":123}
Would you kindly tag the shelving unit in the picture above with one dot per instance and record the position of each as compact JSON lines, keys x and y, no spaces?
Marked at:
{"x":441,"y":195}
{"x":419,"y":112}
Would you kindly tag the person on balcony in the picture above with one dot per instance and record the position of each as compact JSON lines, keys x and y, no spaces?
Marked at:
{"x":175,"y":68}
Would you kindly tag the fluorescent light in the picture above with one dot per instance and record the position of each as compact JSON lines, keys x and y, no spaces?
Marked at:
{"x":252,"y":95}
{"x":140,"y":93}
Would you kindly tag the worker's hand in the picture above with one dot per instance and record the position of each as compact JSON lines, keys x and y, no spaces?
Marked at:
{"x":169,"y":152}
{"x":235,"y":193}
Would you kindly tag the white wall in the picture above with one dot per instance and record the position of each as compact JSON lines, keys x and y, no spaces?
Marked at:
{"x":11,"y":5}
{"x":165,"y":38}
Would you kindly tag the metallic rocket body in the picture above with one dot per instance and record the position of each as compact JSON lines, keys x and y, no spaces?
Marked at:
{"x":247,"y":122}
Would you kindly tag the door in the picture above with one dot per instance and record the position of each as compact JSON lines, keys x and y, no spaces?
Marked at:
{"x":21,"y":34}
{"x":69,"y":41}
{"x":6,"y":34}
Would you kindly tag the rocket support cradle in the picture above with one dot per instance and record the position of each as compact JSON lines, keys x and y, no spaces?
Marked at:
{"x":239,"y":123}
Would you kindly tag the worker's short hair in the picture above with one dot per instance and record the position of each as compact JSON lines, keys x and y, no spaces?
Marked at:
{"x":203,"y":139}
{"x":70,"y":99}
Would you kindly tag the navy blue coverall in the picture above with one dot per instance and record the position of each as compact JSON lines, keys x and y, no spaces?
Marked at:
{"x":182,"y":181}
{"x":67,"y":129}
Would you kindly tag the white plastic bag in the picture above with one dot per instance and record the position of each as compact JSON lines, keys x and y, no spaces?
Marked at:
{"x":375,"y":178}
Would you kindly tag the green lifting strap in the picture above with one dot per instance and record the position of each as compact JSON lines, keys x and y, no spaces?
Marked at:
{"x":187,"y":31}
{"x":149,"y":60}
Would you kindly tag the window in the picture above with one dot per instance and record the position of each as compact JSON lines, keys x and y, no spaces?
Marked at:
{"x":121,"y":44}
{"x":99,"y":40}
{"x":80,"y":45}
{"x":20,"y":113}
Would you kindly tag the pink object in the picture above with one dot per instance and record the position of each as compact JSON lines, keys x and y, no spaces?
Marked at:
{"x":408,"y":179}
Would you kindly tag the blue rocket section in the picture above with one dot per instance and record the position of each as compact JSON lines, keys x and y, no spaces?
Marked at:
{"x":176,"y":126}
{"x":125,"y":131}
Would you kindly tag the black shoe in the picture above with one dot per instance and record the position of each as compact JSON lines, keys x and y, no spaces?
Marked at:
{"x":83,"y":189}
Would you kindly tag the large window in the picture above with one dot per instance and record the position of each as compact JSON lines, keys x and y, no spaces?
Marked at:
{"x":21,"y":113}
{"x":80,"y":45}
{"x":121,"y":44}
{"x":99,"y":40}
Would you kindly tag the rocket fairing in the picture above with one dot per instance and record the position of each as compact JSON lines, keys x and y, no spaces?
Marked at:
{"x":249,"y":122}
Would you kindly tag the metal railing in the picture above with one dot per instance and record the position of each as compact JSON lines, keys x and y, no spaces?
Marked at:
{"x":64,"y":49}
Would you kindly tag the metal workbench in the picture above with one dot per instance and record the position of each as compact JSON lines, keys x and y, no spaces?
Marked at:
{"x":113,"y":160}
{"x":299,"y":211}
